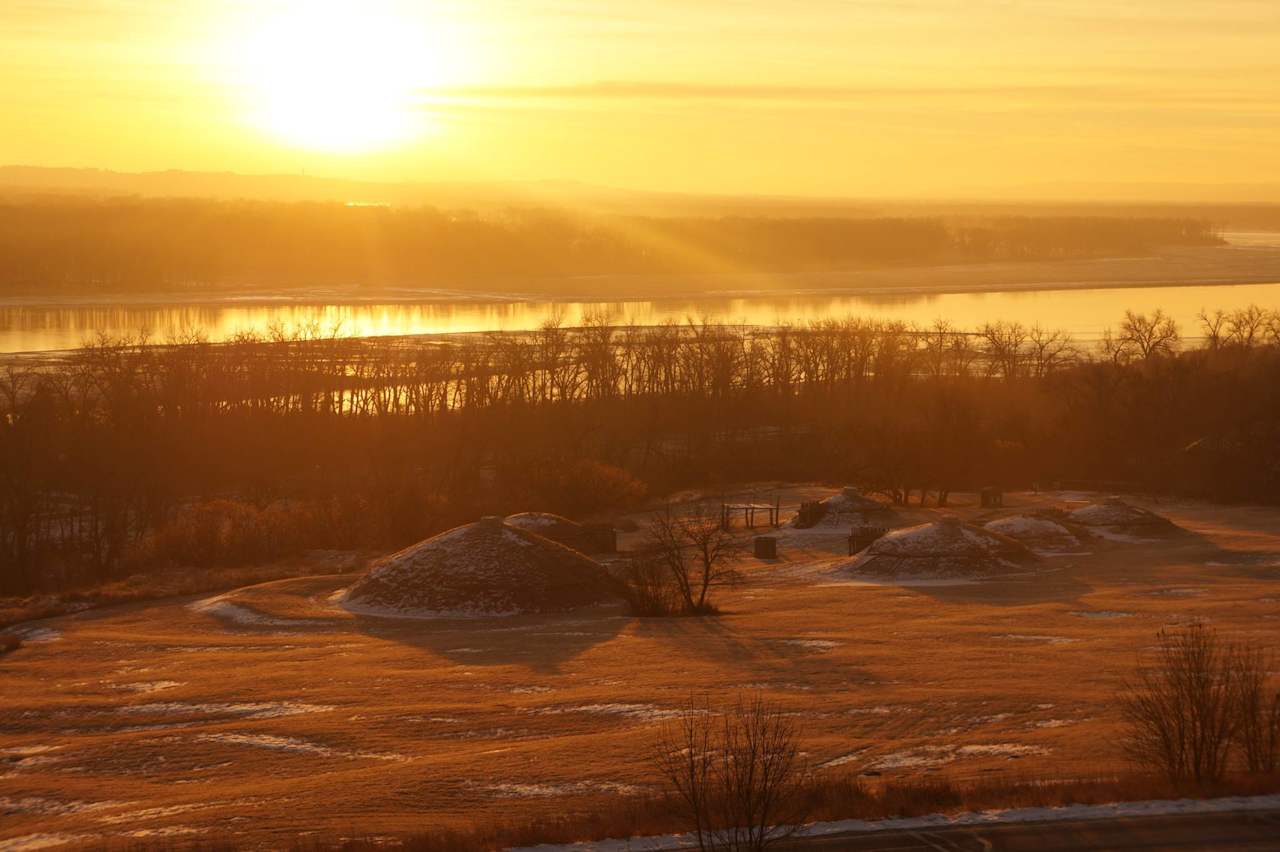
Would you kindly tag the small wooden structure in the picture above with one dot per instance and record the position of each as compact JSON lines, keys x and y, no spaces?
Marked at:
{"x":766,"y":547}
{"x":991,"y":498}
{"x":728,"y":511}
{"x":811,"y":511}
{"x":860,"y":538}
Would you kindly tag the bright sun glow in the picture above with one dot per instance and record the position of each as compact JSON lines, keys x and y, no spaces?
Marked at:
{"x":339,"y":76}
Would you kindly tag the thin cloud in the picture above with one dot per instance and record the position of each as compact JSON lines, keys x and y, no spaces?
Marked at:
{"x":705,"y":91}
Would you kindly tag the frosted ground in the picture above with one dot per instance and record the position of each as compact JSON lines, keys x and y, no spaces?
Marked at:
{"x":240,"y":714}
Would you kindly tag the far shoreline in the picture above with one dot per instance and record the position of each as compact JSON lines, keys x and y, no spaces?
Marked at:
{"x":1216,"y":267}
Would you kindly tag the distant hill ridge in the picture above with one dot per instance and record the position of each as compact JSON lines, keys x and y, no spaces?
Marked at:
{"x":22,"y":180}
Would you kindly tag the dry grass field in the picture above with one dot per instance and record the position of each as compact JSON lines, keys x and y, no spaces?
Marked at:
{"x":268,"y":711}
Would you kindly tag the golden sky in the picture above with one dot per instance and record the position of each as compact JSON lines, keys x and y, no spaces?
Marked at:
{"x":930,"y":98}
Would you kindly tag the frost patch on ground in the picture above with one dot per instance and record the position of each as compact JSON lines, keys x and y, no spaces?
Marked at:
{"x":146,"y":686}
{"x":642,"y":712}
{"x":28,"y":751}
{"x":925,"y":756}
{"x":1034,"y":637}
{"x":1101,"y":613}
{"x":812,"y":644}
{"x":31,"y":842}
{"x":842,"y":759}
{"x":36,"y":635}
{"x":295,"y":745}
{"x":151,"y":813}
{"x":166,"y":831}
{"x":578,"y":788}
{"x":50,"y":807}
{"x":1178,"y":593}
{"x":253,"y":710}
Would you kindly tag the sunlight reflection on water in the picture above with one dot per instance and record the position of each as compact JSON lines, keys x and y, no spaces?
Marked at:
{"x":1085,"y":313}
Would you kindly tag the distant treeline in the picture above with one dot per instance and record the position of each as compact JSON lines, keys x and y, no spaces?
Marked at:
{"x":152,"y":245}
{"x":126,"y":457}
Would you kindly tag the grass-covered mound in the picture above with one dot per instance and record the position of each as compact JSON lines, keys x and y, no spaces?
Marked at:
{"x":944,"y":548}
{"x":485,"y":568}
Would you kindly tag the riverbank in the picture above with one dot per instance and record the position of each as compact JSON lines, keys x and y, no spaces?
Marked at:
{"x":1216,"y":266}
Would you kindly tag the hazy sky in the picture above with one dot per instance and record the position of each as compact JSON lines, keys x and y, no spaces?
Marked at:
{"x":817,"y":97}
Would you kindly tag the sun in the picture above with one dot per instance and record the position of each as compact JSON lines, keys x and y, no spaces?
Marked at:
{"x":338,"y":76}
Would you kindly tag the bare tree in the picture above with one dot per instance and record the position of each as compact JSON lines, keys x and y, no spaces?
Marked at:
{"x":1258,"y":733}
{"x":1247,"y":326}
{"x":1214,"y":326}
{"x":1180,"y":707}
{"x":1049,"y":350}
{"x":697,"y":552}
{"x":738,"y":774}
{"x":1144,"y":337}
{"x":1003,"y":346}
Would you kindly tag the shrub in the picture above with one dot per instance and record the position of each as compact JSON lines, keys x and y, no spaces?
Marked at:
{"x":697,"y":553}
{"x":228,"y":533}
{"x":1198,"y":698}
{"x":649,"y":589}
{"x":737,"y":775}
{"x":1258,"y":734}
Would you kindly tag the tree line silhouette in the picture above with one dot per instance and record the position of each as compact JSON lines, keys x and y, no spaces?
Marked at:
{"x":133,"y":245}
{"x":125,"y":456}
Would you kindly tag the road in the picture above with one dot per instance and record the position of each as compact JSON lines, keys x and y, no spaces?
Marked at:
{"x":1243,"y":832}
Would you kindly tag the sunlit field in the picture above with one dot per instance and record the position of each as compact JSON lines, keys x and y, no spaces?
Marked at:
{"x":201,"y":715}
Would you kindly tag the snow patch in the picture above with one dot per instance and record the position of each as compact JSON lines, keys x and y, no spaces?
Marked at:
{"x":36,"y":635}
{"x":296,"y":746}
{"x":926,"y":756}
{"x":578,"y":788}
{"x":842,"y":759}
{"x":147,"y":686}
{"x":250,"y":710}
{"x":32,"y":842}
{"x":1033,"y":637}
{"x":812,"y":644}
{"x":642,"y":712}
{"x":50,"y":807}
{"x":151,"y":813}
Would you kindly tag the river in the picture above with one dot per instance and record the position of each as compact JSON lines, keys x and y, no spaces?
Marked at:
{"x":1083,"y":312}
